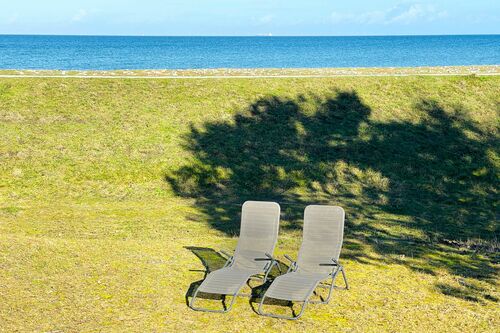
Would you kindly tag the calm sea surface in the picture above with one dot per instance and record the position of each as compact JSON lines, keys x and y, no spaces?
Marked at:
{"x":120,"y":52}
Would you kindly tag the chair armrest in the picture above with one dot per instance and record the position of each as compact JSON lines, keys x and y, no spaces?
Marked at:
{"x":290,"y":259}
{"x":225,"y":253}
{"x":293,"y":264}
{"x":334,"y":263}
{"x":229,"y":258}
{"x":269,"y":257}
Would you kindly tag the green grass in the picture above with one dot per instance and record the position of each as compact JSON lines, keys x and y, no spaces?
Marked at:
{"x":108,"y":186}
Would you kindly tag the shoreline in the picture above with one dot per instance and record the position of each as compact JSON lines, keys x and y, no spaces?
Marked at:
{"x":482,"y":70}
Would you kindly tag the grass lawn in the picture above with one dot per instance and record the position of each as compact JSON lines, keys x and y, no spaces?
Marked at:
{"x":109,"y":186}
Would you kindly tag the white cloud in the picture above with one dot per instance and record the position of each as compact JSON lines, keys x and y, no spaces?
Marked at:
{"x":80,"y":15}
{"x":266,"y":19}
{"x":415,"y":12}
{"x":412,"y":13}
{"x":404,"y":13}
{"x":12,"y":19}
{"x":377,"y":16}
{"x":337,"y":17}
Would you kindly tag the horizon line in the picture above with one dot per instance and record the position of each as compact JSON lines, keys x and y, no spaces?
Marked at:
{"x":237,"y":36}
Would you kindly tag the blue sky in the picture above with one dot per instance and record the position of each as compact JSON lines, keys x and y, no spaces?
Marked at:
{"x":249,"y":17}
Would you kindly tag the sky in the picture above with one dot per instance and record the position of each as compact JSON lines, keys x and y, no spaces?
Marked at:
{"x":249,"y":17}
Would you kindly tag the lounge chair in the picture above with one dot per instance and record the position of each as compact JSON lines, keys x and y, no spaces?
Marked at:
{"x":253,"y":254}
{"x":318,"y":260}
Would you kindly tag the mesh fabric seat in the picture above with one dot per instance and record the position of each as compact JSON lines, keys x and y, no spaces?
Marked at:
{"x":295,"y":286}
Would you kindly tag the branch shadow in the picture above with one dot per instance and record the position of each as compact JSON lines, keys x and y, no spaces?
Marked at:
{"x":467,"y":291}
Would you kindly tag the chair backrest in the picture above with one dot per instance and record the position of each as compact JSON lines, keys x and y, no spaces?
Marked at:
{"x":322,"y":238}
{"x":258,"y":233}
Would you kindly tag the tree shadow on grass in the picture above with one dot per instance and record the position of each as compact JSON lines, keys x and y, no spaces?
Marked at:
{"x":417,"y":183}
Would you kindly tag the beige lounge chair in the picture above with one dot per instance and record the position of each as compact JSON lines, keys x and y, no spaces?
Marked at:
{"x":318,"y":260}
{"x":253,"y":254}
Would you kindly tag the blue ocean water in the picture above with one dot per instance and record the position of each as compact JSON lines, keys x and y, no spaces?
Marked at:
{"x":127,"y":52}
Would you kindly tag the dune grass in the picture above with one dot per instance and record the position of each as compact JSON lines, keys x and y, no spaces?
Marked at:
{"x":108,"y":188}
{"x":437,"y":70}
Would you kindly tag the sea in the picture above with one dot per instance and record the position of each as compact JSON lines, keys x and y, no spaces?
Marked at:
{"x":144,"y":52}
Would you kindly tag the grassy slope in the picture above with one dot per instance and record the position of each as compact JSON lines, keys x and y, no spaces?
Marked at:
{"x":103,"y":183}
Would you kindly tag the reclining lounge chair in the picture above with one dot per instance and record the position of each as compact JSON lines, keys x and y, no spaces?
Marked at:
{"x":317,"y":260}
{"x":253,"y":254}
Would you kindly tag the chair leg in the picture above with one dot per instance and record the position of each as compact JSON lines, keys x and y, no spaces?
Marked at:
{"x":327,"y":300}
{"x":268,"y":271}
{"x":345,"y":278}
{"x":268,"y":314}
{"x":191,"y":304}
{"x":332,"y":285}
{"x":330,"y":289}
